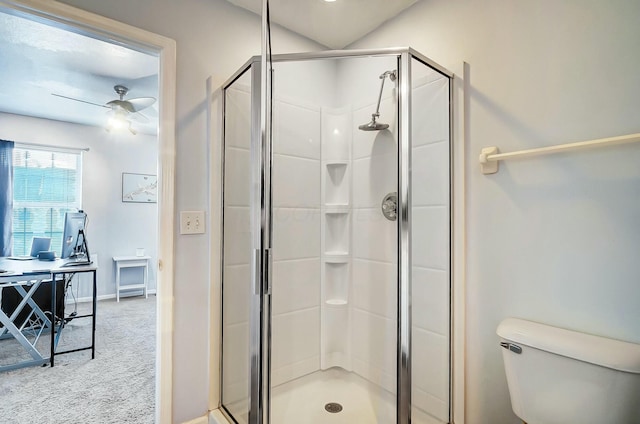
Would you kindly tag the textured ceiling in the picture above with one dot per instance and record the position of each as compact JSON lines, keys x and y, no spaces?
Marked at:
{"x":333,"y":24}
{"x":38,"y":60}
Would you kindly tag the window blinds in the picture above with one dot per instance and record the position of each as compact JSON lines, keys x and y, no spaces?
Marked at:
{"x":46,"y":184}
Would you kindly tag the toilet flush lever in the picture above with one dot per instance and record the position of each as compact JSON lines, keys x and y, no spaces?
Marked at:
{"x":512,"y":347}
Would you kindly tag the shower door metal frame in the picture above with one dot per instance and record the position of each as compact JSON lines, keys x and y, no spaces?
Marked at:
{"x":260,"y":369}
{"x":260,"y":346}
{"x":403,"y":356}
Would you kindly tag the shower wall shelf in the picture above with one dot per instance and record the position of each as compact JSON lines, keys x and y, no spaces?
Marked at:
{"x":336,"y":183}
{"x":336,"y":239}
{"x":336,"y":257}
{"x":336,"y":234}
{"x":490,"y":156}
{"x":333,"y":257}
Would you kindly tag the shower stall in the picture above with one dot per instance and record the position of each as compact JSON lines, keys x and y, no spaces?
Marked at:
{"x":336,"y":240}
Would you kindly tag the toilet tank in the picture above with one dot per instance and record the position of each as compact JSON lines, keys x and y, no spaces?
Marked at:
{"x":559,"y":376}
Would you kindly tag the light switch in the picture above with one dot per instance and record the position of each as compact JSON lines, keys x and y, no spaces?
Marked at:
{"x":192,"y":222}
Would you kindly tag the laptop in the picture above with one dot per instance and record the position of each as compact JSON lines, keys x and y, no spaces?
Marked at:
{"x":38,"y":244}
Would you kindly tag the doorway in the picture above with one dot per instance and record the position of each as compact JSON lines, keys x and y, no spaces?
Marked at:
{"x":93,"y":26}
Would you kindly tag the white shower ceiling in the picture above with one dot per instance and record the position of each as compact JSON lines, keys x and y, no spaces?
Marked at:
{"x":333,"y":24}
{"x":38,"y":60}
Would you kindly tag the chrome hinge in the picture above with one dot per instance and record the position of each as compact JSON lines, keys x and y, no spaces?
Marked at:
{"x":512,"y":347}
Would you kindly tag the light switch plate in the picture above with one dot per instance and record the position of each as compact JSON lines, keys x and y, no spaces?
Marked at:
{"x":192,"y":222}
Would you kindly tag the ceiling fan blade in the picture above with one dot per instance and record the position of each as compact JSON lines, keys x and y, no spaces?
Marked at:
{"x":140,"y":103}
{"x":139,"y":117}
{"x":132,"y":105}
{"x":78,"y":100}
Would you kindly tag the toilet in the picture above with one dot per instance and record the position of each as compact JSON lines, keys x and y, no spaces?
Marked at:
{"x":559,"y":376}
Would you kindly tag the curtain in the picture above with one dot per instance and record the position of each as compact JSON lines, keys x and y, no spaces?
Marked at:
{"x":6,"y":196}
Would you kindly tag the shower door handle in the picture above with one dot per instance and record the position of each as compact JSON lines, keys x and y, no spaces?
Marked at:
{"x":267,"y":262}
{"x":263,"y":266}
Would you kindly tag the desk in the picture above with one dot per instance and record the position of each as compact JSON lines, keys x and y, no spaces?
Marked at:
{"x":30,"y":275}
{"x":132,"y":262}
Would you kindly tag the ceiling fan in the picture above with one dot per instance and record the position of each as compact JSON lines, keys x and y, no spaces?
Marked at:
{"x":120,"y":109}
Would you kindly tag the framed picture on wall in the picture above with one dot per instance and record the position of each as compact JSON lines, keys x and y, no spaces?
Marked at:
{"x":139,"y":188}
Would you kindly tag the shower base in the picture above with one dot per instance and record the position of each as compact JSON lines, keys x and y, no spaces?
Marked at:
{"x":303,"y":400}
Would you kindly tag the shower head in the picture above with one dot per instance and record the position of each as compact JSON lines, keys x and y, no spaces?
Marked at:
{"x":374,"y":125}
{"x":391,"y":74}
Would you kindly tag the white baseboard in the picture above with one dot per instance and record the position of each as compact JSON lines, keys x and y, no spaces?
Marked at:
{"x":199,"y":420}
{"x":107,"y":296}
{"x":216,"y":417}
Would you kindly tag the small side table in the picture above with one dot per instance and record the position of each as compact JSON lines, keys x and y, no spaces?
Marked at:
{"x":132,"y":262}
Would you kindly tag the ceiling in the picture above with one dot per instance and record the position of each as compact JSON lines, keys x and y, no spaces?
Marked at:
{"x":39,"y":60}
{"x":333,"y":24}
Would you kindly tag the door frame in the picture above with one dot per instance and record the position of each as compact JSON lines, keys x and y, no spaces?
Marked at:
{"x":86,"y":23}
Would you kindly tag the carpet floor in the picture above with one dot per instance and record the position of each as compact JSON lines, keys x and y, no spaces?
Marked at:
{"x":118,"y":386}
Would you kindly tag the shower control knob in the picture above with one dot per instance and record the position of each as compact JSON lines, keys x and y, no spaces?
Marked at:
{"x":390,"y":206}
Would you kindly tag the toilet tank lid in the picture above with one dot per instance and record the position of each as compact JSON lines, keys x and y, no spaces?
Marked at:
{"x":610,"y":353}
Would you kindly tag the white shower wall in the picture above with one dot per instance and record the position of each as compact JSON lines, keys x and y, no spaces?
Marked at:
{"x":296,"y":241}
{"x":296,"y":184}
{"x":375,"y":174}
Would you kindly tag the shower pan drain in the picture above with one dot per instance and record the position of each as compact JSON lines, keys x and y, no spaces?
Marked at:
{"x":333,"y":407}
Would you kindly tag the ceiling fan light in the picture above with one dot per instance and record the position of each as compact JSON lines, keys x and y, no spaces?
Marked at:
{"x":119,"y":122}
{"x":116,"y":123}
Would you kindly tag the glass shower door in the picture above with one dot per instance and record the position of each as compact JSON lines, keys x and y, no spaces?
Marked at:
{"x":237,"y":257}
{"x":334,"y":286}
{"x":336,"y":241}
{"x":430,"y":244}
{"x":246,"y":261}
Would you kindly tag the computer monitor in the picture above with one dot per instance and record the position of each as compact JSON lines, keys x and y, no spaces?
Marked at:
{"x":74,"y":243}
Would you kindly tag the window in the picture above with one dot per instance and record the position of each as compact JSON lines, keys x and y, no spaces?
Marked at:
{"x":46,"y":184}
